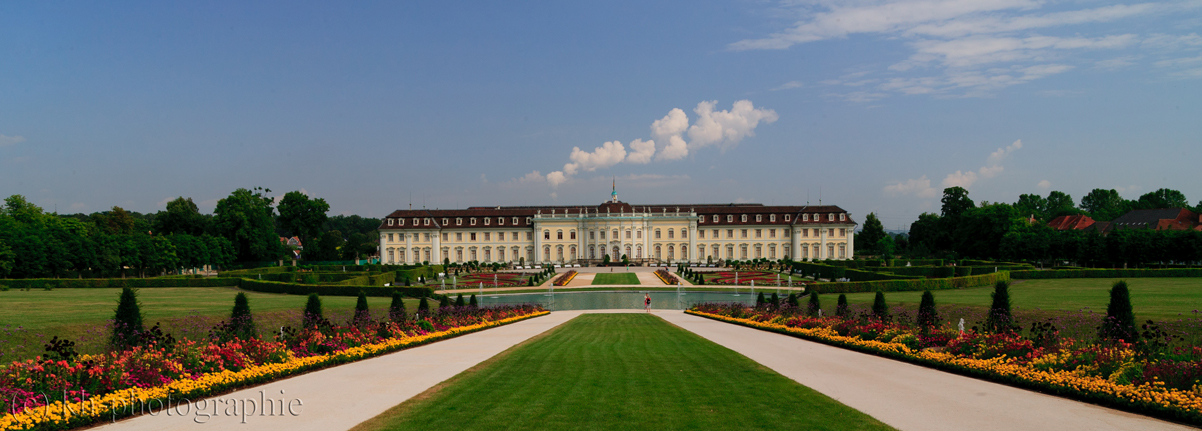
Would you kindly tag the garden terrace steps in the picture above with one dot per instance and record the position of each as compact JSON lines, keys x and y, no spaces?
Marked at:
{"x":910,"y":397}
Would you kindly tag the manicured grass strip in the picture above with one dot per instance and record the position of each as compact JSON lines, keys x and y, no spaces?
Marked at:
{"x":616,"y":278}
{"x":1152,"y":298}
{"x":621,"y":371}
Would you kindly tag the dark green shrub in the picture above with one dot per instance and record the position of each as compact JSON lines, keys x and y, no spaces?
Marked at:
{"x":841,"y":308}
{"x":127,"y":321}
{"x":759,"y":299}
{"x":445,"y":301}
{"x":774,"y":300}
{"x":945,"y":271}
{"x":928,"y":316}
{"x":880,"y":309}
{"x":963,"y":271}
{"x":999,"y":318}
{"x":362,"y":314}
{"x":813,"y":306}
{"x":472,"y":302}
{"x":792,"y":300}
{"x":242,"y":324}
{"x":312,"y":314}
{"x":459,"y":301}
{"x":423,"y":307}
{"x":396,"y":310}
{"x":1120,"y":318}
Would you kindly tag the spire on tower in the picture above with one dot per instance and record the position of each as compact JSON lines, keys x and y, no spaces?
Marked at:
{"x":614,"y":195}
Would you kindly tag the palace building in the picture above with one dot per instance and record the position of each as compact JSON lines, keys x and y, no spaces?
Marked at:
{"x":651,"y":234}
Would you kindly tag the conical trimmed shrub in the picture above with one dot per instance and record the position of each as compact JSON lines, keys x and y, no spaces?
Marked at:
{"x":423,"y":307}
{"x":759,"y":299}
{"x":127,"y":322}
{"x":312,"y":314}
{"x":928,"y":316}
{"x":999,"y":318}
{"x":775,"y":300}
{"x":396,"y":310}
{"x":361,"y":312}
{"x":459,"y":301}
{"x":472,"y":302}
{"x":1120,"y":318}
{"x":813,"y":306}
{"x":880,"y":309}
{"x":444,"y":302}
{"x":792,"y":300}
{"x":241,"y":321}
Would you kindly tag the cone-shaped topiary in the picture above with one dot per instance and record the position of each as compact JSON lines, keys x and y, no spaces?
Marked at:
{"x":928,"y":316}
{"x":879,"y":308}
{"x":423,"y":307}
{"x":999,"y":318}
{"x":445,"y":301}
{"x":241,"y":322}
{"x":362,"y":315}
{"x":459,"y":301}
{"x":396,"y":310}
{"x":813,"y":306}
{"x":127,"y":323}
{"x":775,"y":300}
{"x":312,"y":314}
{"x":792,"y":300}
{"x":1120,"y":319}
{"x":472,"y":302}
{"x":841,"y":309}
{"x":759,"y":300}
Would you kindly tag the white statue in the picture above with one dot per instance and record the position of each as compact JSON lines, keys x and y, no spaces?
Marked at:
{"x":819,"y":312}
{"x":961,"y":326}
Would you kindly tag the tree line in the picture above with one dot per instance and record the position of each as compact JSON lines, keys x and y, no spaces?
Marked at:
{"x":965,"y":229}
{"x":244,"y":227}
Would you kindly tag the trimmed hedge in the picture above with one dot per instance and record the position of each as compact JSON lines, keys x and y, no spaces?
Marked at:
{"x":1107,"y":273}
{"x":333,"y":290}
{"x":253,"y":272}
{"x":915,"y":262}
{"x":99,"y":283}
{"x":912,"y":285}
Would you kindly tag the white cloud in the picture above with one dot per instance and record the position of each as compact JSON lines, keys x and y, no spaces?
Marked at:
{"x":920,"y":187}
{"x":726,"y":128}
{"x":6,"y":141}
{"x":1001,"y":153}
{"x":1045,"y":184}
{"x":960,"y":179}
{"x":641,"y":151}
{"x":788,"y":86}
{"x":534,"y":177}
{"x":990,"y":171}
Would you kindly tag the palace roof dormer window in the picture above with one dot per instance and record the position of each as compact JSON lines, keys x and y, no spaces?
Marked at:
{"x":786,"y":217}
{"x":528,"y":220}
{"x":842,"y":216}
{"x":772,"y":218}
{"x":458,"y":221}
{"x":743,"y":218}
{"x":730,"y":219}
{"x":515,"y":221}
{"x":487,"y":220}
{"x":426,"y":221}
{"x":500,"y":221}
{"x":759,"y":218}
{"x":830,"y":217}
{"x":400,"y":222}
{"x":805,"y":217}
{"x":416,"y":221}
{"x":715,"y":218}
{"x":390,"y":221}
{"x":472,"y":221}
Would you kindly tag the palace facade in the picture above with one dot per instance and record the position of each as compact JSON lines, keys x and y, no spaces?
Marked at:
{"x":644,"y":233}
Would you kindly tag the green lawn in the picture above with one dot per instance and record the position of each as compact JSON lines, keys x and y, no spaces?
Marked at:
{"x":616,"y":278}
{"x":1152,"y":298}
{"x":620,"y":371}
{"x":80,"y":314}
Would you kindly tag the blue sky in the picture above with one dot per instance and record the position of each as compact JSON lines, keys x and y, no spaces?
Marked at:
{"x":875,"y":105}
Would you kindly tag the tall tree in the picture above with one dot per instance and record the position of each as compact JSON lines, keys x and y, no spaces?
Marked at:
{"x":6,"y":259}
{"x":1163,"y":198}
{"x":1104,"y":205}
{"x":926,"y":232}
{"x":872,"y":233}
{"x":245,"y":218}
{"x":1032,"y":205}
{"x":1059,"y":203}
{"x":303,"y":217}
{"x":955,"y":202}
{"x":117,"y":221}
{"x":182,"y":217}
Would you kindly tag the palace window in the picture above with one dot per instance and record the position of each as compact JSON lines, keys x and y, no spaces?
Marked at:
{"x":830,"y":251}
{"x":842,"y":216}
{"x":488,"y":236}
{"x":501,"y":222}
{"x":715,"y":218}
{"x":639,"y":234}
{"x":459,"y":236}
{"x":602,"y":234}
{"x":730,"y":218}
{"x":671,"y":234}
{"x":389,"y":237}
{"x":771,"y":233}
{"x":458,"y":221}
{"x":546,"y":234}
{"x":772,"y":251}
{"x":500,"y":254}
{"x":628,"y":235}
{"x":730,"y":251}
{"x":759,"y":251}
{"x":487,"y":221}
{"x":592,"y":234}
{"x":842,"y":251}
{"x":830,"y":217}
{"x":444,"y":236}
{"x":805,"y":217}
{"x":592,"y":252}
{"x":715,"y":251}
{"x":701,"y":219}
{"x":730,"y":233}
{"x":472,"y":237}
{"x":759,"y":233}
{"x":416,"y":221}
{"x":657,"y":252}
{"x":572,"y":235}
{"x":743,"y":218}
{"x":815,"y":233}
{"x":472,"y":253}
{"x":772,"y":217}
{"x":530,"y":237}
{"x":684,"y":233}
{"x":787,"y":232}
{"x":559,"y":253}
{"x":546,"y":253}
{"x":390,"y":256}
{"x":743,"y":233}
{"x":559,"y":234}
{"x":715,"y":234}
{"x":445,"y":222}
{"x":473,"y":221}
{"x":401,"y":255}
{"x":743,"y":251}
{"x":427,"y":237}
{"x":759,"y":218}
{"x":701,"y":234}
{"x":657,"y":234}
{"x":487,"y":254}
{"x":615,"y":234}
{"x":390,"y":222}
{"x":400,"y":222}
{"x":671,"y":252}
{"x":515,"y":221}
{"x":842,"y":233}
{"x":786,"y":217}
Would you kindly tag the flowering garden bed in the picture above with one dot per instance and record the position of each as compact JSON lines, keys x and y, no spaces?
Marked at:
{"x":744,"y":278}
{"x":69,"y":391}
{"x":503,"y":279}
{"x":1147,"y":377}
{"x":564,"y":279}
{"x":667,"y":277}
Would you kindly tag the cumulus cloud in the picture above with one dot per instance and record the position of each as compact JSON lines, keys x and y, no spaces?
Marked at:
{"x":6,"y":141}
{"x":724,"y":129}
{"x":921,"y":187}
{"x":1045,"y":184}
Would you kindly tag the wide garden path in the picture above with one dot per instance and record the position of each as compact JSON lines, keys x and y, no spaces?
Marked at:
{"x":910,"y":397}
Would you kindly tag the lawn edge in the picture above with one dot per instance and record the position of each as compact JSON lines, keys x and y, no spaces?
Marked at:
{"x":1169,"y":415}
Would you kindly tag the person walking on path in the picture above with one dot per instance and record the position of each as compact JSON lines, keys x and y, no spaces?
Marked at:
{"x":647,"y":302}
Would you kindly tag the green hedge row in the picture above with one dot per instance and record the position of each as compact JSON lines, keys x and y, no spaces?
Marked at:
{"x":256,"y":271}
{"x":332,"y":290}
{"x":912,"y":285}
{"x":86,"y":283}
{"x":1107,"y":273}
{"x":834,"y":272}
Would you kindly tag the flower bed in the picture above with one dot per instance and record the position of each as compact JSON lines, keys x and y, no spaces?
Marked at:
{"x":503,"y":279}
{"x":667,"y":277}
{"x":744,"y":278}
{"x":564,"y":279}
{"x":68,"y":392}
{"x":1137,"y":378}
